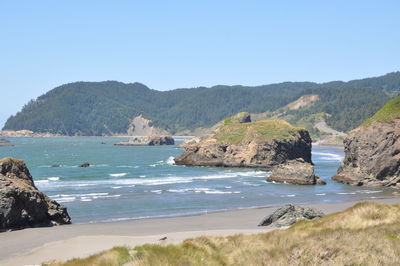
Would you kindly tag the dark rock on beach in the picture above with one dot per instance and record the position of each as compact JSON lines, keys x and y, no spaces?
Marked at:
{"x":21,"y":203}
{"x":84,"y":165}
{"x":147,"y":141}
{"x":290,"y":214}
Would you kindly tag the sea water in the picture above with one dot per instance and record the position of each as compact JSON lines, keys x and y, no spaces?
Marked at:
{"x":136,"y":182}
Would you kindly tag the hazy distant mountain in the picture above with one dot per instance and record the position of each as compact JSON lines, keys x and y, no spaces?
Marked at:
{"x":105,"y":108}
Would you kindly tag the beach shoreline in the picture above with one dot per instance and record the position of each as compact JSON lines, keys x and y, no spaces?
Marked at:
{"x":33,"y":246}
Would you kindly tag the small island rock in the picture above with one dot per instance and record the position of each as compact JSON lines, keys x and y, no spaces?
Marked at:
{"x":295,"y":172}
{"x":84,"y":165}
{"x":237,"y":142}
{"x":147,"y":141}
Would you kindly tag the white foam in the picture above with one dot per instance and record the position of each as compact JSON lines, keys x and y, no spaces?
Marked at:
{"x":369,"y":191}
{"x":118,"y":175}
{"x":41,"y":181}
{"x":116,"y":187}
{"x":288,"y":196}
{"x":321,"y":194}
{"x":54,"y":178}
{"x":218,"y":192}
{"x":170,"y":160}
{"x":142,"y":176}
{"x":327,"y":156}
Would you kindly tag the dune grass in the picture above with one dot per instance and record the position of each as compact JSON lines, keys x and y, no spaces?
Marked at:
{"x":365,"y":234}
{"x":387,"y":113}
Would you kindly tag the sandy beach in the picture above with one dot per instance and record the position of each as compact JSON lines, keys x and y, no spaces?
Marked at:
{"x":36,"y":245}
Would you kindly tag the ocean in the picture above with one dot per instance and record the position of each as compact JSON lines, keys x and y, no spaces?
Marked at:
{"x":138,"y":182}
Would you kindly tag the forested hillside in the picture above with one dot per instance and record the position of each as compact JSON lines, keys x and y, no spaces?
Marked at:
{"x":105,"y":108}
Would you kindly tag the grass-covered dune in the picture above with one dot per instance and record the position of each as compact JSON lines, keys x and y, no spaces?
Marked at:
{"x":387,"y":113}
{"x":365,"y":234}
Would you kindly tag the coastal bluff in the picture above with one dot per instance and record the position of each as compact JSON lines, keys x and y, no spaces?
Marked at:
{"x":269,"y":144}
{"x":21,"y":203}
{"x":372,"y":151}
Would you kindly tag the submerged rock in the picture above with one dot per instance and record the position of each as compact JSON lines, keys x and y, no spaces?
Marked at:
{"x":4,"y":141}
{"x":21,"y":203}
{"x":237,"y":142}
{"x":84,"y":165}
{"x":147,"y":141}
{"x":290,"y":214}
{"x":372,"y":151}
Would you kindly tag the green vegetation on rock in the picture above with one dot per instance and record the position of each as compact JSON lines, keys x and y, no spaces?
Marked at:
{"x":387,"y":113}
{"x":106,"y":108}
{"x":263,"y":130}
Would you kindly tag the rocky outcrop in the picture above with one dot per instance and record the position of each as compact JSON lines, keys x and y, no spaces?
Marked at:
{"x":84,"y":165}
{"x":290,"y":214}
{"x":237,"y":142}
{"x":295,"y":172}
{"x":21,"y":203}
{"x":141,"y":126}
{"x":372,"y":155}
{"x":147,"y":141}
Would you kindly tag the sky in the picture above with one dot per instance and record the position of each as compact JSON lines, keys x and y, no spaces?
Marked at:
{"x":182,"y":44}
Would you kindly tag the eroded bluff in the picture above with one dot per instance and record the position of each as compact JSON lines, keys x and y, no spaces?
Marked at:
{"x":372,"y":155}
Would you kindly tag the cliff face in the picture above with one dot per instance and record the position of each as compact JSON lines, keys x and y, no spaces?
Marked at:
{"x":21,"y":203}
{"x":237,"y":142}
{"x":141,"y":126}
{"x":240,"y":143}
{"x":372,"y":155}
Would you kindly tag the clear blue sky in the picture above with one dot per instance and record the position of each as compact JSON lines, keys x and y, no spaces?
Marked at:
{"x":175,"y":44}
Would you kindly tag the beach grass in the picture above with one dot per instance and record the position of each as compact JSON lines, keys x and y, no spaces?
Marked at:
{"x":365,"y":234}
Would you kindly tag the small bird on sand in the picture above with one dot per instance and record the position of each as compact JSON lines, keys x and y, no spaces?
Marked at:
{"x":164,"y":238}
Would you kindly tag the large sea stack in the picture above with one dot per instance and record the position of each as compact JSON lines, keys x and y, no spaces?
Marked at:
{"x":21,"y":203}
{"x":270,"y":144}
{"x":372,"y":151}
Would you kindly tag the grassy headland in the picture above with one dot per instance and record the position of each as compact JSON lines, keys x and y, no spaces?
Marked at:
{"x":365,"y":234}
{"x":387,"y":113}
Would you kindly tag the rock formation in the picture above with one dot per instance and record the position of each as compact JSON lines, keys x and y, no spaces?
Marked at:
{"x":147,"y":141}
{"x":84,"y":165}
{"x":237,"y":142}
{"x":290,"y":214}
{"x":372,"y":151}
{"x":295,"y":172}
{"x":21,"y":203}
{"x":141,"y":126}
